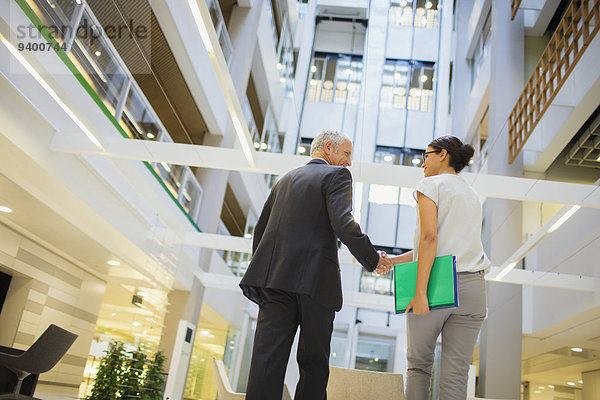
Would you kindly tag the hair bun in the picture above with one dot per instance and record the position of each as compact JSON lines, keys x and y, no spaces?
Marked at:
{"x":467,"y":151}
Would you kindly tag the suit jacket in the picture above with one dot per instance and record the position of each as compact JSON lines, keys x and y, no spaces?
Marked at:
{"x":295,"y":238}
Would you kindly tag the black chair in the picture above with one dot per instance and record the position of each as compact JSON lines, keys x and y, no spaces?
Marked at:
{"x":41,"y":357}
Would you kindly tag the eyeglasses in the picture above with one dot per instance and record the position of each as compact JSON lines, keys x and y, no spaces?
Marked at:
{"x":425,"y":154}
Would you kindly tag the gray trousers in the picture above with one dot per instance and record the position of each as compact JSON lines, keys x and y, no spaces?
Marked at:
{"x":459,"y":328}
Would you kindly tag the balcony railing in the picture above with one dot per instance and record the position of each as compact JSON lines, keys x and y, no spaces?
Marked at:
{"x":219,"y":22}
{"x":575,"y":32}
{"x":104,"y":75}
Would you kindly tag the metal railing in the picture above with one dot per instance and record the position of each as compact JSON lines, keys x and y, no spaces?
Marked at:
{"x":574,"y":33}
{"x":98,"y":62}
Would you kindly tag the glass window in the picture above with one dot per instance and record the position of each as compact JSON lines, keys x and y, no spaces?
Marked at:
{"x":304,"y":147}
{"x":419,"y":13}
{"x":94,"y":60}
{"x":335,"y":78}
{"x":286,"y":63}
{"x":137,"y":120}
{"x":373,"y":354}
{"x":338,"y":349}
{"x":481,"y":48}
{"x":190,"y":195}
{"x":420,"y":93}
{"x":398,"y":156}
{"x":394,"y":84}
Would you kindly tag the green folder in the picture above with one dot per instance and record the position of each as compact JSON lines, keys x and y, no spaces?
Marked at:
{"x":441,"y":289}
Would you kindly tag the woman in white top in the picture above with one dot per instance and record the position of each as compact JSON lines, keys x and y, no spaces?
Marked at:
{"x":448,"y":223}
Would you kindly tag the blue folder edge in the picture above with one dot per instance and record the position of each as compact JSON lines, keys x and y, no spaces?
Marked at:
{"x":455,"y":305}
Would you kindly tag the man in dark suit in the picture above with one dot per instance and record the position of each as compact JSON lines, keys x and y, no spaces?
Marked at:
{"x":294,"y":275}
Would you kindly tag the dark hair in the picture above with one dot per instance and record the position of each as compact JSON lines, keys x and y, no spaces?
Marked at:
{"x":460,"y":153}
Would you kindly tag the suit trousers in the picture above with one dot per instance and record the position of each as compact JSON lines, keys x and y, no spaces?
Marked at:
{"x":459,"y":328}
{"x":280,"y":314}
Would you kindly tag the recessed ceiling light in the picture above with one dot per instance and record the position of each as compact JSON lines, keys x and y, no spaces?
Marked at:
{"x":387,"y":158}
{"x":113,"y":314}
{"x":135,"y":323}
{"x":551,"y":386}
{"x":248,"y":235}
{"x":107,"y":326}
{"x":542,"y":387}
{"x":98,"y":53}
{"x":113,"y":262}
{"x":5,"y":209}
{"x":576,"y":349}
{"x":571,"y":383}
{"x":301,"y":150}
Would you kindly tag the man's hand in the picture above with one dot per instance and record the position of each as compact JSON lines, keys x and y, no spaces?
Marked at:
{"x":385,"y":263}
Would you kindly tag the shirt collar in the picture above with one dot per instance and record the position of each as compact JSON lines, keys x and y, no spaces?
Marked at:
{"x":319,"y":158}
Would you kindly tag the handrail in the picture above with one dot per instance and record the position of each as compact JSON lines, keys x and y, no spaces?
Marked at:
{"x":514,"y":7}
{"x":574,"y":33}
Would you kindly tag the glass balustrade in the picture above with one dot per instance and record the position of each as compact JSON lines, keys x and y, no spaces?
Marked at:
{"x":77,"y":30}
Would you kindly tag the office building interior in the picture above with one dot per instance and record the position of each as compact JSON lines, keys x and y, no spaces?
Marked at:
{"x":139,"y":140}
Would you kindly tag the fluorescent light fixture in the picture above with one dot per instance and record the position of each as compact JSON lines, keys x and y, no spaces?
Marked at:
{"x":237,"y":125}
{"x":5,"y":209}
{"x":201,"y":26}
{"x":50,"y":91}
{"x":506,"y":270}
{"x":577,"y":349}
{"x":564,"y":218}
{"x":113,"y":262}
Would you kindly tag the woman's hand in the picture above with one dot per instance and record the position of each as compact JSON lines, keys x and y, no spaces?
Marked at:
{"x":419,"y":304}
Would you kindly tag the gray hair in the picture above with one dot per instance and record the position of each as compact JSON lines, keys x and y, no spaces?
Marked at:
{"x":329,"y":135}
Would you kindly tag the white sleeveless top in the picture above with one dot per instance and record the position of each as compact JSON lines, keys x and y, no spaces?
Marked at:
{"x":458,"y":221}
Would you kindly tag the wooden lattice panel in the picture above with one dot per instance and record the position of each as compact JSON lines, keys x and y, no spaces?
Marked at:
{"x":576,"y":30}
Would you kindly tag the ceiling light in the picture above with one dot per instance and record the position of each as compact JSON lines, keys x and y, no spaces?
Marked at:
{"x":5,"y":209}
{"x":256,"y":145}
{"x":150,"y":135}
{"x":78,"y":1}
{"x":248,"y":235}
{"x":564,"y":218}
{"x":580,"y":381}
{"x":301,"y":150}
{"x":282,"y":79}
{"x":576,"y":349}
{"x":279,"y":66}
{"x":571,"y":383}
{"x":416,"y":161}
{"x":348,"y":71}
{"x":98,"y":53}
{"x":428,"y":4}
{"x":471,"y":162}
{"x":135,"y":323}
{"x":541,"y":387}
{"x":113,"y":262}
{"x":113,"y":314}
{"x":313,"y":68}
{"x":387,"y":158}
{"x":551,"y":386}
{"x":423,"y":78}
{"x":50,"y":91}
{"x":537,"y":391}
{"x":263,"y":146}
{"x":107,"y":326}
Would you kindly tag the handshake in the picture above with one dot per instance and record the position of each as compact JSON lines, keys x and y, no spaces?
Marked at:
{"x":385,"y":263}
